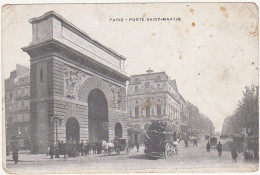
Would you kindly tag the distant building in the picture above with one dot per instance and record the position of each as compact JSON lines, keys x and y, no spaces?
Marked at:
{"x":199,"y":125}
{"x":152,"y":96}
{"x":184,"y":118}
{"x":17,"y":105}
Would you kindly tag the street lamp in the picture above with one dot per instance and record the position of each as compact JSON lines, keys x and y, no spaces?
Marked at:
{"x":56,"y":120}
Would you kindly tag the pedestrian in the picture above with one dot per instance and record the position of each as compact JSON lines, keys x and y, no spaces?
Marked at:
{"x":48,"y":148}
{"x":256,"y":150}
{"x":82,"y":147}
{"x":66,"y":150}
{"x":86,"y":148}
{"x":97,"y":145}
{"x":248,"y":155}
{"x":7,"y":149}
{"x":52,"y":151}
{"x":137,"y":146}
{"x":61,"y":148}
{"x":195,"y":143}
{"x":208,"y":146}
{"x":74,"y":149}
{"x":70,"y":148}
{"x":94,"y":147}
{"x":219,"y":148}
{"x":186,"y":143}
{"x":234,"y":154}
{"x":15,"y":150}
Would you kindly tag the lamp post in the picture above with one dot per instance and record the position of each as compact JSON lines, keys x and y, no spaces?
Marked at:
{"x":56,"y":120}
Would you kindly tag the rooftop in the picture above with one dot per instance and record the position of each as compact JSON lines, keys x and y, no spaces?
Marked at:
{"x":59,"y":17}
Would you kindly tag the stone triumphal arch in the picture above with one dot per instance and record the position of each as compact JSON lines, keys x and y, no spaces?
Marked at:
{"x":78,"y":86}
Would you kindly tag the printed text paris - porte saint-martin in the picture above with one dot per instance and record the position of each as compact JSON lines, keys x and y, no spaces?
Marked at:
{"x":143,"y":19}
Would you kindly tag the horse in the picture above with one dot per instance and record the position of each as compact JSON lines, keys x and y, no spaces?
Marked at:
{"x":176,"y":146}
{"x":107,"y":146}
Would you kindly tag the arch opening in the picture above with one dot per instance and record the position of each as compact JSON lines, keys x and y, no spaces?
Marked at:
{"x":97,"y":116}
{"x":118,"y":130}
{"x":72,"y":129}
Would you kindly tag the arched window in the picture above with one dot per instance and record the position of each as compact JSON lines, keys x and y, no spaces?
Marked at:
{"x":148,"y":109}
{"x":159,"y":110}
{"x":118,"y":130}
{"x":136,"y":111}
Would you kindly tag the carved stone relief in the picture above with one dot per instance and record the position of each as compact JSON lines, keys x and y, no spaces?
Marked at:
{"x":73,"y":78}
{"x":117,"y":96}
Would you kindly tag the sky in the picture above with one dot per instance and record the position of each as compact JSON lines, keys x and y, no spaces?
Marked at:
{"x":211,"y":52}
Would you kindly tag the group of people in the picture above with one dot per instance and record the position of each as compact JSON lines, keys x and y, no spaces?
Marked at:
{"x":69,"y":148}
{"x":233,"y":149}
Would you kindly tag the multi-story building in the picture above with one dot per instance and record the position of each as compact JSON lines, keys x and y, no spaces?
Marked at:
{"x":184,"y":118}
{"x":152,"y":96}
{"x":17,"y":105}
{"x":199,"y":125}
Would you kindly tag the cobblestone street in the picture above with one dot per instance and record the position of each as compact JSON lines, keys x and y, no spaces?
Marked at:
{"x":192,"y":159}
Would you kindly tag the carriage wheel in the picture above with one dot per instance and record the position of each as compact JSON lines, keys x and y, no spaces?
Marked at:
{"x":109,"y":152}
{"x":118,"y":151}
{"x":168,"y":150}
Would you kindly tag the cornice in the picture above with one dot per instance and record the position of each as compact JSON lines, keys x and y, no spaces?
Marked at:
{"x":56,"y":45}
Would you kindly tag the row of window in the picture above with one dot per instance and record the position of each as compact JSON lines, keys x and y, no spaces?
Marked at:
{"x":22,"y":91}
{"x":147,"y":86}
{"x":23,"y":117}
{"x":136,"y":80}
{"x":148,"y":111}
{"x":25,"y":80}
{"x":21,"y":130}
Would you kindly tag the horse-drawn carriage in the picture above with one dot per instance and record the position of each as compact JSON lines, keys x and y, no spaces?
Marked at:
{"x":158,"y":144}
{"x":213,"y":141}
{"x":117,"y":145}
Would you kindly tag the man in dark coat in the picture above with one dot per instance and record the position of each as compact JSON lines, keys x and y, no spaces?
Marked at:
{"x":66,"y":149}
{"x":94,"y":147}
{"x":137,"y":146}
{"x":195,"y":142}
{"x":219,"y":148}
{"x":15,"y":150}
{"x":52,"y":150}
{"x":186,"y":143}
{"x":87,"y":148}
{"x":234,"y":154}
{"x":82,"y":148}
{"x":208,"y":146}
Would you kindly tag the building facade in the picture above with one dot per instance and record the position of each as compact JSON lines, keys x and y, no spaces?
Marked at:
{"x":17,"y":106}
{"x":185,"y":125}
{"x":78,"y":86}
{"x":151,"y":96}
{"x":199,"y":125}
